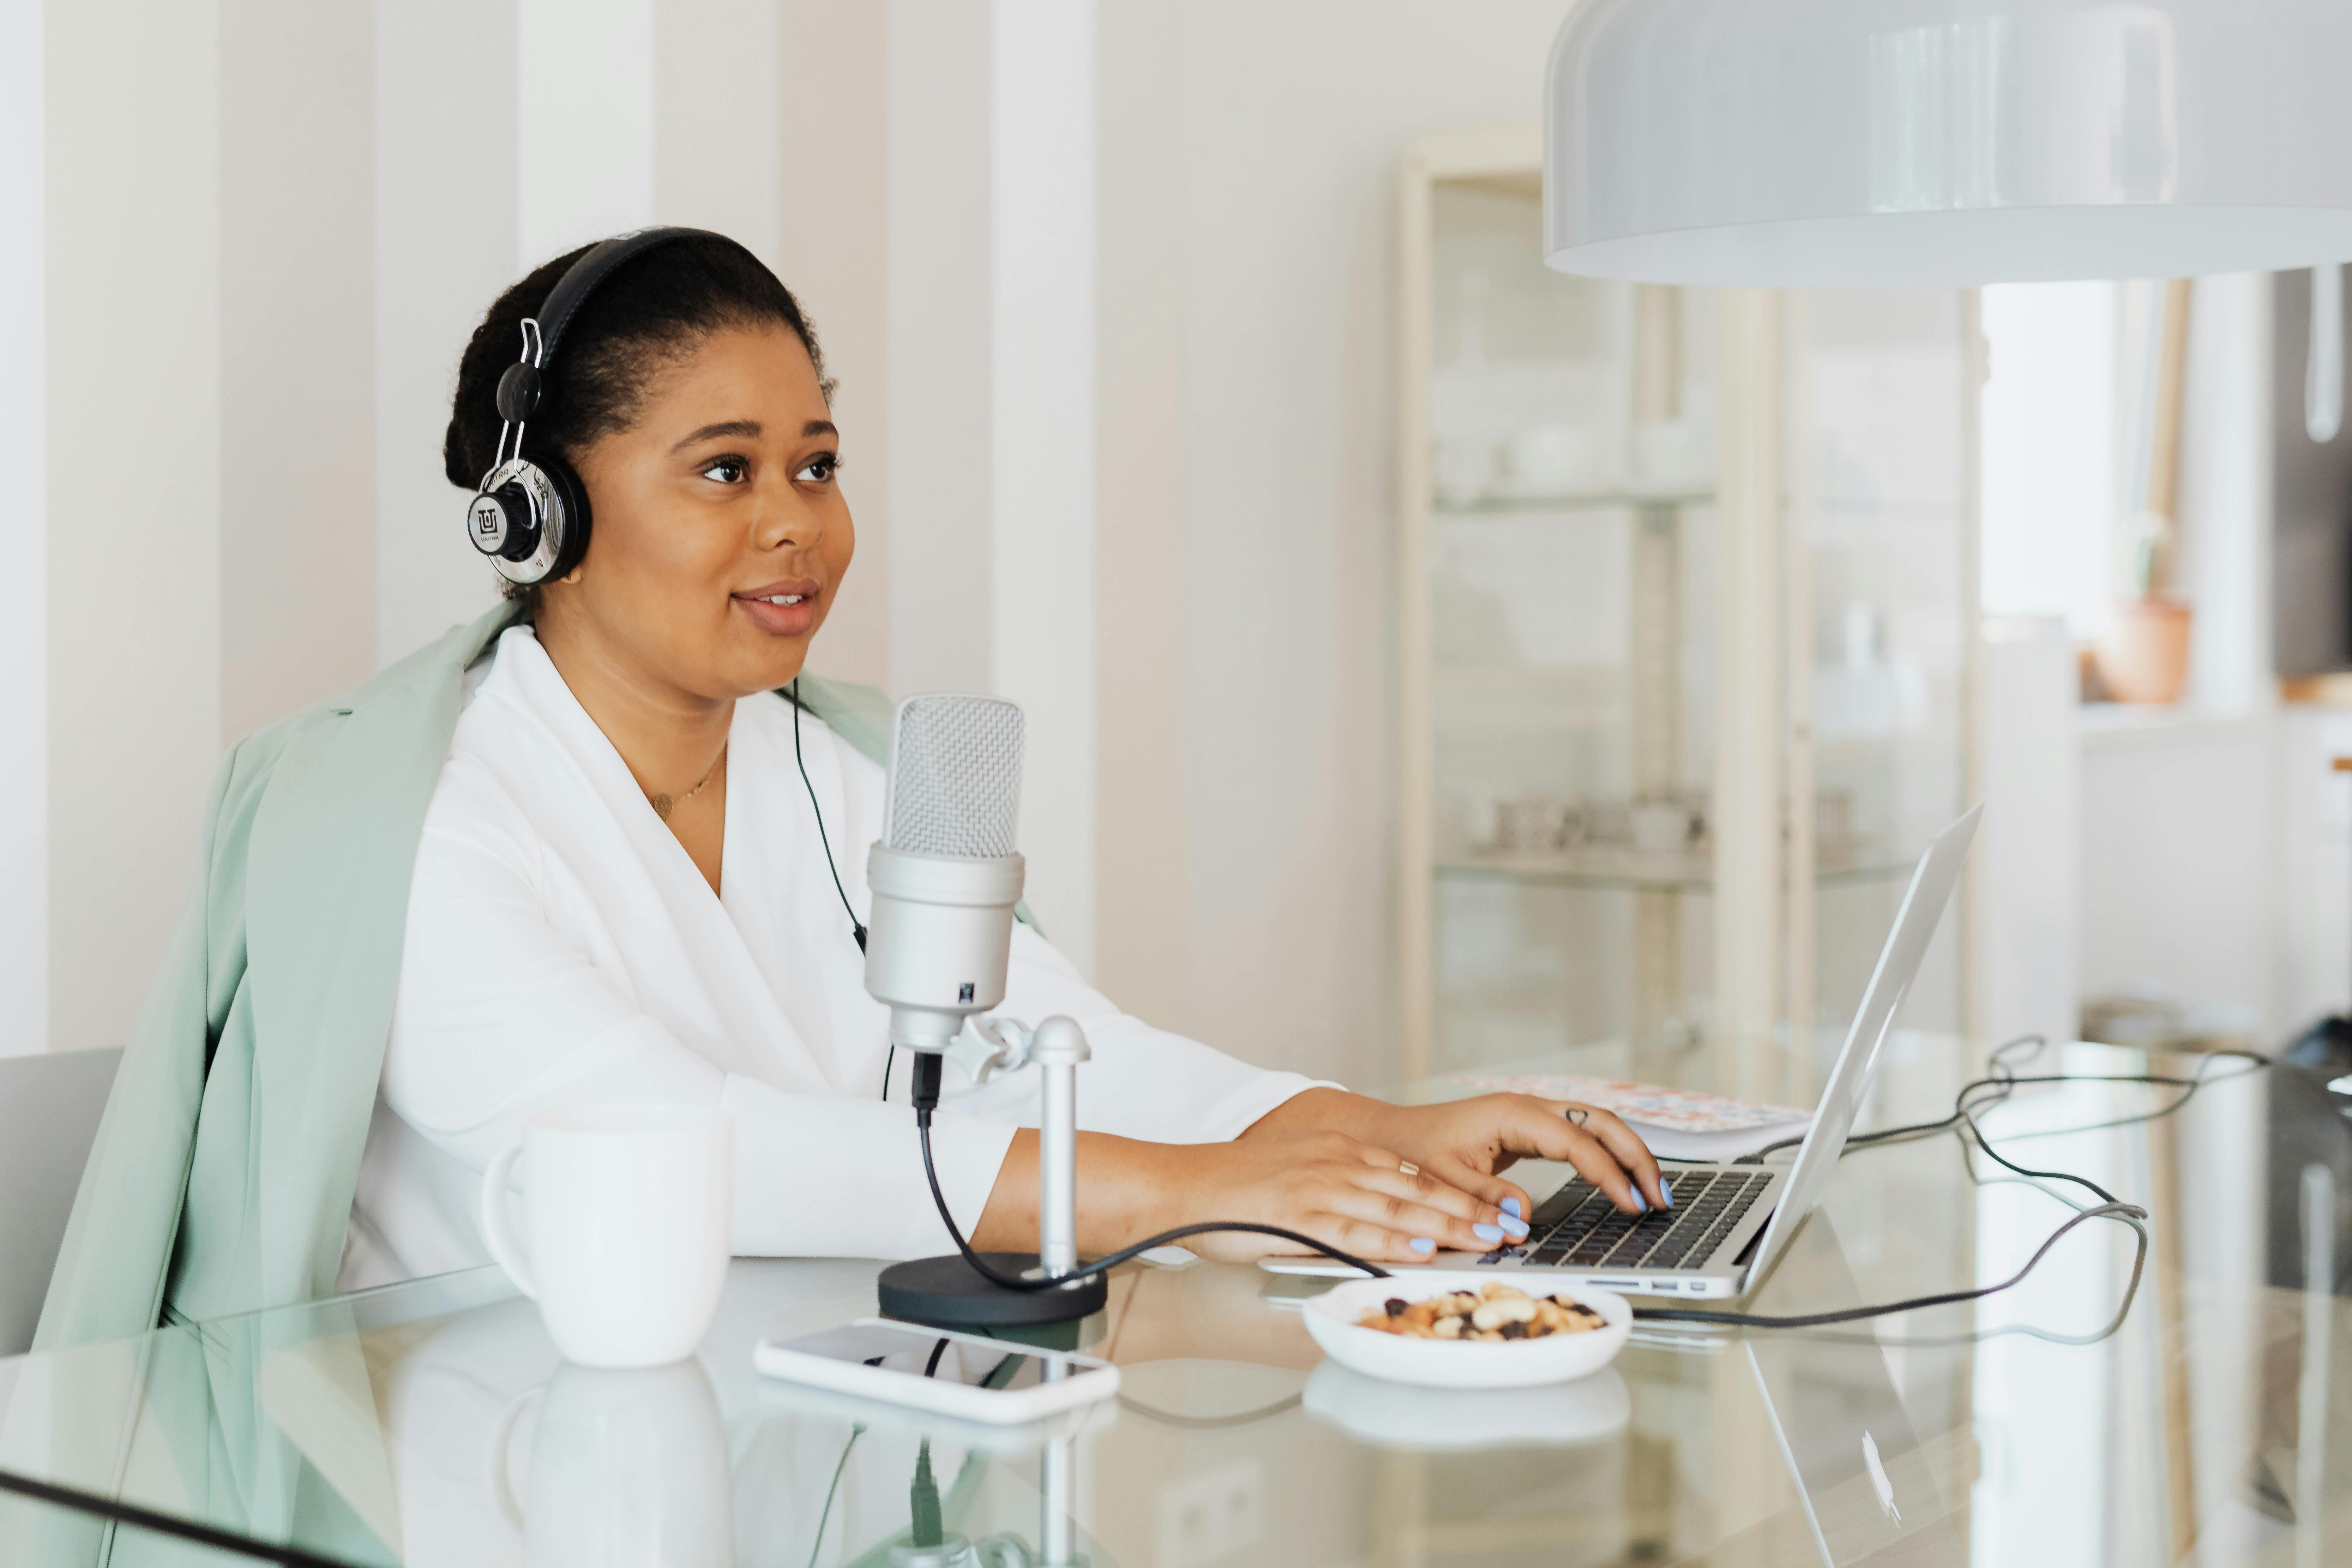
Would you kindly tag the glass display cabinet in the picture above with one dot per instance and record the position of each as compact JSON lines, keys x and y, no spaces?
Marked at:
{"x":1687,"y":587}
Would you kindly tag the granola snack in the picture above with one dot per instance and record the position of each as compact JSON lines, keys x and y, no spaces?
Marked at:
{"x":1498,"y":1311}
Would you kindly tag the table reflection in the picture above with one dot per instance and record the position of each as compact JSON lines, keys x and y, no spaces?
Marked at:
{"x":2073,"y":1419}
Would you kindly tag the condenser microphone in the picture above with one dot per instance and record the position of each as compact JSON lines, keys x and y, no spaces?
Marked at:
{"x":944,"y":876}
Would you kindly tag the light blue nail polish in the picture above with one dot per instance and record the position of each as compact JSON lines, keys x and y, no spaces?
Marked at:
{"x":1511,"y":1208}
{"x":1488,"y":1233}
{"x":1641,"y":1204}
{"x":1667,"y":1188}
{"x":1422,"y":1244}
{"x":1515,"y":1226}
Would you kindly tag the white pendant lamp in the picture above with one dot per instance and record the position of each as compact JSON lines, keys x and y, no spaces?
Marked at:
{"x":1912,"y":143}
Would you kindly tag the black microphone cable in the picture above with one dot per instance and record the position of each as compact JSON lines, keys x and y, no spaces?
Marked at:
{"x":928,"y":1069}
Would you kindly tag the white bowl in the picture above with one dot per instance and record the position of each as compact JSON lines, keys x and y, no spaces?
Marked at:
{"x":1456,"y":1364}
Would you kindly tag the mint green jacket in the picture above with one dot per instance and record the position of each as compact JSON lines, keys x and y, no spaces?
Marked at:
{"x":225,"y":1166}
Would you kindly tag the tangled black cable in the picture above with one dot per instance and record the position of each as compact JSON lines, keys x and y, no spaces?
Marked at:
{"x":1976,"y":1097}
{"x":2129,"y":1213}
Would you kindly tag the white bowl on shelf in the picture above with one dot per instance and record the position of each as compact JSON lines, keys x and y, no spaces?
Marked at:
{"x":1462,"y":1364}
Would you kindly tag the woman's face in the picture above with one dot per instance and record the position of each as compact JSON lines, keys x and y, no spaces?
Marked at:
{"x":719,"y":534}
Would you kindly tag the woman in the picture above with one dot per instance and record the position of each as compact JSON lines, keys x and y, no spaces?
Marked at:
{"x":618,"y":888}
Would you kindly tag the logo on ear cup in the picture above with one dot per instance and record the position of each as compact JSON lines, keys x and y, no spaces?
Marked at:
{"x":485,"y":524}
{"x":519,"y":520}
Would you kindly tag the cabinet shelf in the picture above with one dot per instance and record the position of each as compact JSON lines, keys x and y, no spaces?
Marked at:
{"x":1645,"y":870}
{"x":1575,"y":501}
{"x":1722,"y":555}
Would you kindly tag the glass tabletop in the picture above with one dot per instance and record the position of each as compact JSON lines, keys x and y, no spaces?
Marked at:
{"x":2078,"y":1418}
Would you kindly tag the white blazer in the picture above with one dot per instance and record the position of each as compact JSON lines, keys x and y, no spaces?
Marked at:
{"x":562,"y":949}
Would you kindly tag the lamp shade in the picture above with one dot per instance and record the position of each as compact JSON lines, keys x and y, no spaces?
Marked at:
{"x":1901,"y":143}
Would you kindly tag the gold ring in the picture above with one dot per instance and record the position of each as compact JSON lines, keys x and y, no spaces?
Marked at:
{"x":1410,"y":1168}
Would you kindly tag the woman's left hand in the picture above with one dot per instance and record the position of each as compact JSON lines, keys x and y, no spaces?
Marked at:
{"x":1468,"y":1143}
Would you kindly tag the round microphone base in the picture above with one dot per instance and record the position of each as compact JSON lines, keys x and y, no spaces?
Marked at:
{"x":948,"y":1293}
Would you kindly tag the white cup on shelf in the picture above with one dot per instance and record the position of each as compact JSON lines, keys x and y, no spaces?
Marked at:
{"x":627,"y":1218}
{"x":1552,"y":459}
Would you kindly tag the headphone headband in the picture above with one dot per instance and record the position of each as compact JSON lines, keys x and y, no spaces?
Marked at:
{"x":582,"y":277}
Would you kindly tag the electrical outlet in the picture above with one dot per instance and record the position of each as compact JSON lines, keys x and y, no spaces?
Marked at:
{"x":1203,"y":1519}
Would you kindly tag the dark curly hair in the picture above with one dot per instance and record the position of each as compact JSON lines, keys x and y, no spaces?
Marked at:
{"x":657,"y":309}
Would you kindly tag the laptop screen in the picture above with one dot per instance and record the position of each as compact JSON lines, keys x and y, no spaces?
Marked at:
{"x":1932,"y":882}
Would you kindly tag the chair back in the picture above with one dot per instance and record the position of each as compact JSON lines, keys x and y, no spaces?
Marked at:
{"x":49,"y":1106}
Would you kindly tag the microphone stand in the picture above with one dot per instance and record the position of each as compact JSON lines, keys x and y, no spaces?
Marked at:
{"x":948,"y":1291}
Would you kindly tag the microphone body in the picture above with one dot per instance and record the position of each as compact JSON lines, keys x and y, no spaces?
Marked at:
{"x":945,"y":877}
{"x":938,"y":940}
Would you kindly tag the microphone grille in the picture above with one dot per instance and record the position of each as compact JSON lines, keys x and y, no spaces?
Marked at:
{"x":955,"y":776}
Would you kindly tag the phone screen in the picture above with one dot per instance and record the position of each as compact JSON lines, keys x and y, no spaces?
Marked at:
{"x":921,"y":1354}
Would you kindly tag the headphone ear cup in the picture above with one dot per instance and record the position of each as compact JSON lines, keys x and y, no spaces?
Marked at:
{"x":572,"y":546}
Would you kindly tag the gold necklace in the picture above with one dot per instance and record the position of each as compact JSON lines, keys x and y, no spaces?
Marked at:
{"x":663,"y":805}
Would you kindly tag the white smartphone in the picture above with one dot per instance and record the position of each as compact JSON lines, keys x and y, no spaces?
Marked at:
{"x":971,"y":1376}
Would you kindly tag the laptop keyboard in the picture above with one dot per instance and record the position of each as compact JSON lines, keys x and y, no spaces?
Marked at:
{"x":1578,"y":1227}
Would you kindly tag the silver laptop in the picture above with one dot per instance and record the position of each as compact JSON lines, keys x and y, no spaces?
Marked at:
{"x":1729,"y":1222}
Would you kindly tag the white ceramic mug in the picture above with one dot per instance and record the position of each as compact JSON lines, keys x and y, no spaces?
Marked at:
{"x":627,"y":1214}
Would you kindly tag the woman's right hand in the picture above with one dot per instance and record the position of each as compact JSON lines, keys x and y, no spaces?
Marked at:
{"x":1340,"y":1190}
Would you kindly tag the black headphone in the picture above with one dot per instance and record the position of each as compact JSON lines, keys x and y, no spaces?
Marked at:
{"x":531,"y":518}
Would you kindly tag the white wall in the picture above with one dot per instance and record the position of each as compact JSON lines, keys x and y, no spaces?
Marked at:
{"x":2226,"y":500}
{"x":990,"y":269}
{"x":2029,"y":853}
{"x":133,"y":556}
{"x":297,"y":387}
{"x":583,"y":72}
{"x":1041,"y":463}
{"x":23,"y":540}
{"x":2050,"y":426}
{"x":1249,"y":217}
{"x":940,"y":218}
{"x":2179,"y":890}
{"x":718,"y":79}
{"x":444,"y":239}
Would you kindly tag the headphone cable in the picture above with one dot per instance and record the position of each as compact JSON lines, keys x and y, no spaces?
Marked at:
{"x":856,"y":927}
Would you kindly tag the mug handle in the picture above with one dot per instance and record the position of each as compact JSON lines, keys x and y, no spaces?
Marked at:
{"x":501,"y":1487}
{"x":497,"y":1231}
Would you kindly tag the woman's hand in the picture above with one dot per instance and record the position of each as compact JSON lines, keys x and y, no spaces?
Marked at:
{"x":1357,"y":1197}
{"x":1468,"y":1143}
{"x":1332,"y":1165}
